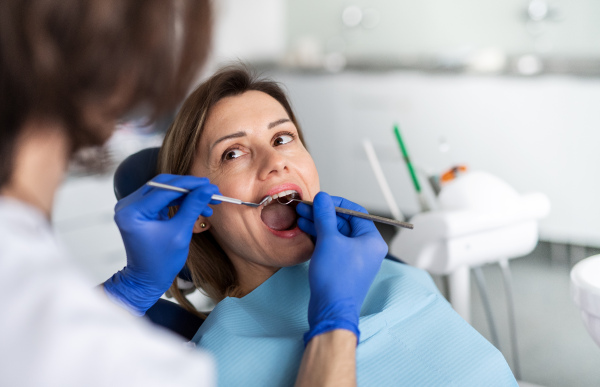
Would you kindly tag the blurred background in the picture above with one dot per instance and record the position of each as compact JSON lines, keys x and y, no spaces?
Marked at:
{"x":509,"y":87}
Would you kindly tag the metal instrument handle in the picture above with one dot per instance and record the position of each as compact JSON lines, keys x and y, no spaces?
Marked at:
{"x":362,"y":215}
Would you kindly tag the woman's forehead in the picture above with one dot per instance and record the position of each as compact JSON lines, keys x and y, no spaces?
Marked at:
{"x":245,"y":112}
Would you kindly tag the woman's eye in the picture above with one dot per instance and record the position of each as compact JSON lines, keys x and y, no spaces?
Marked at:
{"x":232,"y":154}
{"x":283,"y":139}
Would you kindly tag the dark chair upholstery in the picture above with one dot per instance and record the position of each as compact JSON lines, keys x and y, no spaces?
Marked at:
{"x":135,"y":171}
{"x":173,"y":317}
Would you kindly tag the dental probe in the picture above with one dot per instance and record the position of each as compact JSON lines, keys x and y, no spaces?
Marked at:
{"x":374,"y":218}
{"x":340,"y":210}
{"x":214,"y":197}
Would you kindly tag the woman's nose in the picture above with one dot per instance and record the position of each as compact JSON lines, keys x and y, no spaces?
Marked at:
{"x":272,"y":163}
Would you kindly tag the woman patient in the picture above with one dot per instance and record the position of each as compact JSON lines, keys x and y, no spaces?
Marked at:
{"x":241,"y":133}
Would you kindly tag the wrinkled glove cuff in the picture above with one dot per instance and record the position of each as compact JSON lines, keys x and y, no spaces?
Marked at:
{"x":128,"y":294}
{"x":330,"y":325}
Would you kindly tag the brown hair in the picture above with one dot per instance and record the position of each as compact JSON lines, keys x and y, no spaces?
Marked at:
{"x":210,"y":268}
{"x":60,"y":58}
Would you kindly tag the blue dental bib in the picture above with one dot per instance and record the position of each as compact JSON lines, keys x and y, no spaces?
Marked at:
{"x":410,"y":335}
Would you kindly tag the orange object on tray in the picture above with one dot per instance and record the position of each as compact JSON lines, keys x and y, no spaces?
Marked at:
{"x":452,"y":173}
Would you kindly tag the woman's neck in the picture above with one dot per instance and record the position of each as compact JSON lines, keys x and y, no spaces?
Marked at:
{"x":253,"y":276}
{"x":40,"y":161}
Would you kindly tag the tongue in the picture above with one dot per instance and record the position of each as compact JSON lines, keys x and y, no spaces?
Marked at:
{"x":278,"y":217}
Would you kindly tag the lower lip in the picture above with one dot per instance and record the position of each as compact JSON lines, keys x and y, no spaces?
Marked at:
{"x":286,"y":233}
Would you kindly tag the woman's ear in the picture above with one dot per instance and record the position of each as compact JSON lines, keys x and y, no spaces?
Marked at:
{"x":201,"y":225}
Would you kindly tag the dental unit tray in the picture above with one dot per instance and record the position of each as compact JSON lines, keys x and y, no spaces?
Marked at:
{"x":339,"y":210}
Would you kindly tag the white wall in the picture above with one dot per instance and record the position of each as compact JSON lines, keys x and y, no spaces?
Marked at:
{"x":249,"y":30}
{"x":433,"y":27}
{"x":538,"y":134}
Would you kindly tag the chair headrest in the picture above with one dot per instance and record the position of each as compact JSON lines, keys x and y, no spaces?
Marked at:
{"x":135,"y":171}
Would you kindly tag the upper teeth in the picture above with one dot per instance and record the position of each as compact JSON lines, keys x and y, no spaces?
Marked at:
{"x":284,"y":193}
{"x":280,"y":195}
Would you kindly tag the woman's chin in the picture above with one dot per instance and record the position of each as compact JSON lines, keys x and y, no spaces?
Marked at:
{"x":293,"y":251}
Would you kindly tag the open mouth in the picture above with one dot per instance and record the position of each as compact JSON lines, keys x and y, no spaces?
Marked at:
{"x":278,"y":216}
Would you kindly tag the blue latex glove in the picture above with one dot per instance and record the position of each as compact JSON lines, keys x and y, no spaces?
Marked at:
{"x":348,"y":254}
{"x":156,"y":246}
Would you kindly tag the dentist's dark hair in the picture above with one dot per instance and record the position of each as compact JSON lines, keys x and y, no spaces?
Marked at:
{"x":84,"y":64}
{"x":210,"y":268}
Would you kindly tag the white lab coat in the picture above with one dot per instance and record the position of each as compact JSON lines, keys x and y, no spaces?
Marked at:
{"x":57,"y":329}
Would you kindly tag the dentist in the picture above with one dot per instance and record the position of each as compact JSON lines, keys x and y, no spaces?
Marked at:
{"x":69,"y":69}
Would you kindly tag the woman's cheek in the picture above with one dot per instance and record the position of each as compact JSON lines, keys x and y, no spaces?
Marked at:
{"x":311,"y":175}
{"x":234,"y":170}
{"x":236,"y":185}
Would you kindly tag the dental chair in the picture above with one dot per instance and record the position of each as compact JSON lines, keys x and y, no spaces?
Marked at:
{"x":585,"y":291}
{"x":131,"y":174}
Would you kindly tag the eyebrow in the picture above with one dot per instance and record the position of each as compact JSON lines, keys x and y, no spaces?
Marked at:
{"x":233,"y":135}
{"x":242,"y":133}
{"x":278,"y":122}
